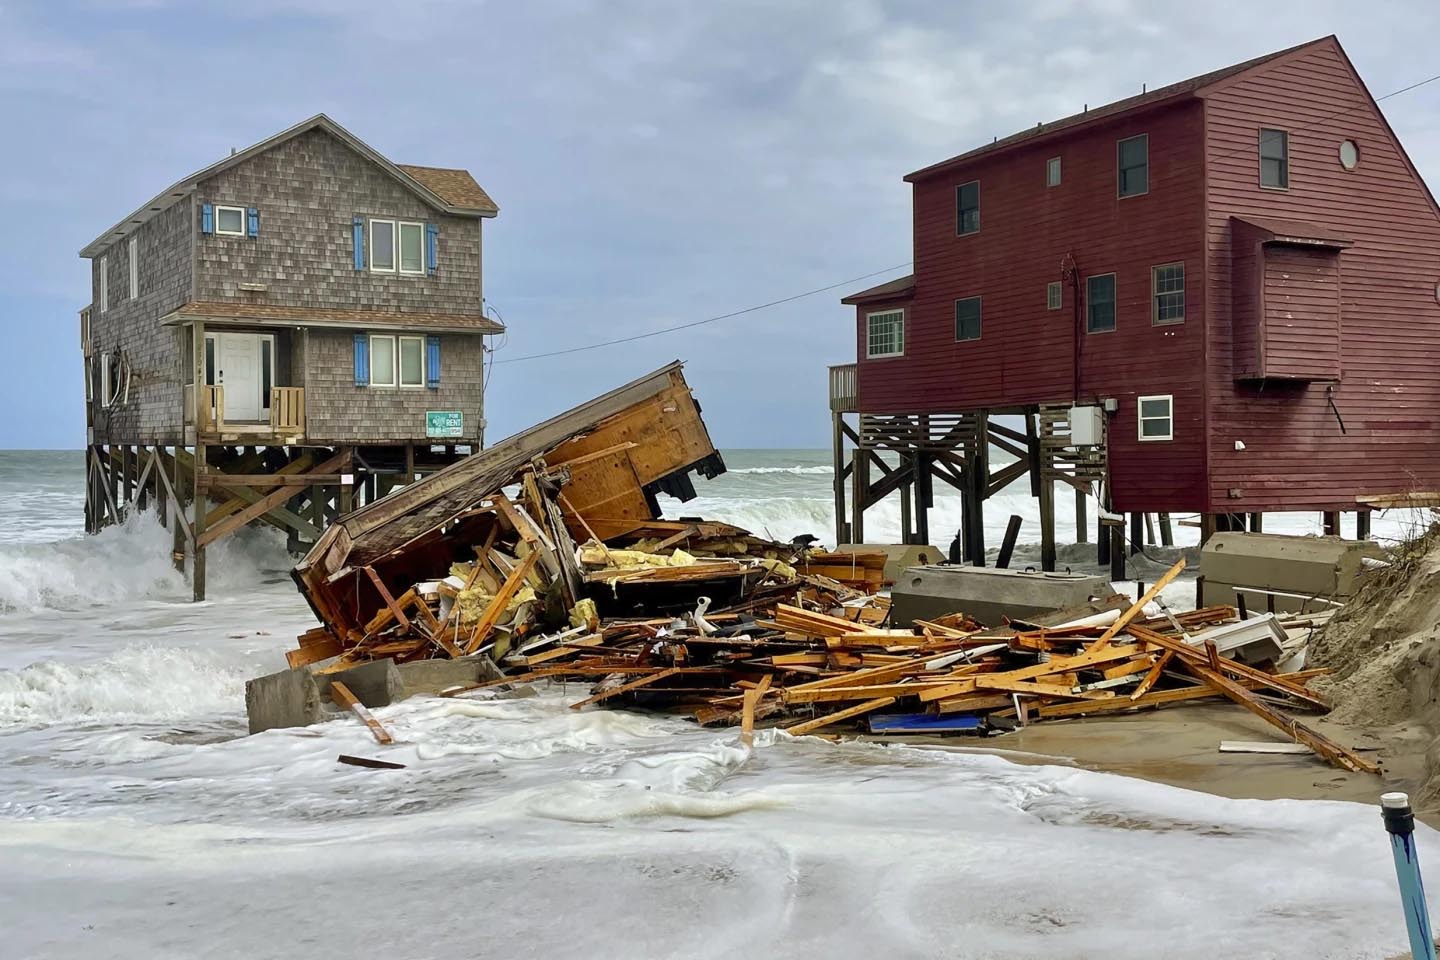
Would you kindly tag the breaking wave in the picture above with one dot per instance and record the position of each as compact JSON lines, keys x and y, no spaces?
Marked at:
{"x":796,"y":470}
{"x":136,"y":683}
{"x":126,"y":562}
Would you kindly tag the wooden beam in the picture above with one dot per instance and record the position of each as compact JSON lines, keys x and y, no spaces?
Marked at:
{"x":1153,"y":675}
{"x":1189,"y":654}
{"x":493,"y":612}
{"x":644,"y":681}
{"x":389,"y":600}
{"x":1136,"y":607}
{"x":1155,"y":698}
{"x":259,"y":508}
{"x":747,"y":716}
{"x":343,"y":697}
{"x":800,"y":729}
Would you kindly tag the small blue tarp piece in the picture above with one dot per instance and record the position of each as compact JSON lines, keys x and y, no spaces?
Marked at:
{"x":924,"y":723}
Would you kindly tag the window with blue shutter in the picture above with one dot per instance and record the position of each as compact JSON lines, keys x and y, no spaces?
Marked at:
{"x":357,"y":232}
{"x":432,"y":362}
{"x":252,"y":222}
{"x":207,"y":218}
{"x":432,"y":245}
{"x":362,"y":360}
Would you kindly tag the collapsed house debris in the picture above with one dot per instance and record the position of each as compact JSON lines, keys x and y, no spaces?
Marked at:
{"x":545,"y":558}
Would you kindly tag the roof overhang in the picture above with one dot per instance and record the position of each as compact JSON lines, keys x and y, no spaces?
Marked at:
{"x":1295,"y":233}
{"x":247,"y":316}
{"x":902,"y":288}
{"x":183,"y":188}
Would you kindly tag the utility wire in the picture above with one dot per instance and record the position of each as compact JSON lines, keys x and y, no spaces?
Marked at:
{"x":697,"y":323}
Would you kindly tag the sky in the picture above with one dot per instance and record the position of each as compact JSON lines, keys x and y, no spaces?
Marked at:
{"x":655,"y":163}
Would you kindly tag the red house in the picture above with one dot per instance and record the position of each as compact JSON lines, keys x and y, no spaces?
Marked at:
{"x":1240,"y":271}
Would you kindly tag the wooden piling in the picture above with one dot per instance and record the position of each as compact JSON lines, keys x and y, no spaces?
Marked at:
{"x":1137,"y":533}
{"x":1082,"y":522}
{"x":1362,"y":524}
{"x":1167,"y":535}
{"x":1331,"y":521}
{"x":200,"y":509}
{"x":1007,"y":546}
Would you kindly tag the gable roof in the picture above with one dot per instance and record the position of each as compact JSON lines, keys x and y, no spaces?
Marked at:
{"x":1175,"y":91}
{"x":446,"y":190}
{"x":898,"y":289}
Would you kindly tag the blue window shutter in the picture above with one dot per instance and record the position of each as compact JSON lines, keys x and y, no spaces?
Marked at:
{"x":358,"y":230}
{"x":207,"y":218}
{"x":432,"y":362}
{"x":432,"y":237}
{"x":362,"y":360}
{"x":252,"y":222}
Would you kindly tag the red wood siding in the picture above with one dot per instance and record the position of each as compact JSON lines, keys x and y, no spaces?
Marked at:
{"x":1301,"y":297}
{"x":1026,"y":353}
{"x":1245,"y":265}
{"x":1296,"y":455}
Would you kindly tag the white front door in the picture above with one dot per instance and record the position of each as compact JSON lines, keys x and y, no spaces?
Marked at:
{"x":237,"y":358}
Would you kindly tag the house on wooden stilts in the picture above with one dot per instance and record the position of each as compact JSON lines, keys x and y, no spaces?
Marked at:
{"x":1217,"y":297}
{"x":287,"y":334}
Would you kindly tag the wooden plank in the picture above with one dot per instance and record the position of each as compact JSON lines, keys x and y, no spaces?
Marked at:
{"x":1191,"y":654}
{"x":747,"y":716}
{"x":869,"y":692}
{"x":1139,"y":664}
{"x":644,"y":681}
{"x":1156,"y":698}
{"x":1297,"y":731}
{"x":314,"y":653}
{"x":1153,"y":675}
{"x":990,"y":701}
{"x":343,"y":697}
{"x":1055,"y":665}
{"x":1139,"y":605}
{"x":1261,"y":746}
{"x":800,"y":729}
{"x":257,"y":509}
{"x":1035,"y":689}
{"x":389,"y":600}
{"x":369,"y":762}
{"x":496,"y":609}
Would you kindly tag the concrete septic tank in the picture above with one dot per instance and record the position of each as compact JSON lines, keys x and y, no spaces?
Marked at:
{"x":989,"y":595}
{"x":1271,"y":568}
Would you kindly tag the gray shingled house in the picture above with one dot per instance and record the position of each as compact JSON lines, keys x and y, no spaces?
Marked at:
{"x":290,"y":331}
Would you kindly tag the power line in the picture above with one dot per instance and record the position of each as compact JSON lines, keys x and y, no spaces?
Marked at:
{"x":697,"y":323}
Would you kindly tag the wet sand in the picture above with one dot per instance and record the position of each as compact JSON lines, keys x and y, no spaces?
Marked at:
{"x":1181,"y":747}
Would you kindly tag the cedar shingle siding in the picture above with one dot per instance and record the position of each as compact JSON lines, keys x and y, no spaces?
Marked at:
{"x":307,"y":190}
{"x":151,"y":413}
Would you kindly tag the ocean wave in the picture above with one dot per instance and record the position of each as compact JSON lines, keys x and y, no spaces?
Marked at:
{"x":125,"y":562}
{"x":796,"y":470}
{"x":136,"y":683}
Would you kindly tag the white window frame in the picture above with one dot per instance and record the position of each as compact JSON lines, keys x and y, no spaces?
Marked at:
{"x":1118,"y":169}
{"x":394,"y":246}
{"x":400,"y":226}
{"x":221,"y":231}
{"x":134,"y":268}
{"x":1054,"y":295}
{"x":870,"y":353}
{"x":1169,"y":417}
{"x":104,"y":284}
{"x":1156,"y":294}
{"x":399,"y":366}
{"x":394,"y":360}
{"x":1052,"y":172}
{"x":104,"y":384}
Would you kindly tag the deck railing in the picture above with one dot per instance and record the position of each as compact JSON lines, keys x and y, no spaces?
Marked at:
{"x":287,"y":409}
{"x":843,"y":393}
{"x":210,"y":415}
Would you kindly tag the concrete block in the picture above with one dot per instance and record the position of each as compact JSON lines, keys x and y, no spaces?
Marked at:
{"x":290,"y":698}
{"x":1253,"y":563}
{"x":375,"y":684}
{"x":433,"y":676}
{"x":987,"y":594}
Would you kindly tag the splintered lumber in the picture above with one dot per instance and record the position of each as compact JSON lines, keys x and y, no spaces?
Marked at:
{"x":808,"y":726}
{"x":1089,"y":658}
{"x":1139,"y":605}
{"x":497,"y":606}
{"x":1153,"y":675}
{"x":752,"y":697}
{"x":815,"y":624}
{"x":1155,"y":698}
{"x":973,"y":703}
{"x":343,"y":697}
{"x":644,"y":681}
{"x":1297,"y":731}
{"x":1033,"y":688}
{"x":873,"y":691}
{"x":1191,"y":655}
{"x":369,"y":762}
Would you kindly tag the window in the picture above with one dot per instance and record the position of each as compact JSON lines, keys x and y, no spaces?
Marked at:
{"x":382,"y":361}
{"x":1274,"y":158}
{"x":967,"y":319}
{"x":1052,"y":172}
{"x":1167,"y":294}
{"x":230,"y":221}
{"x":134,"y":268}
{"x":412,"y":361}
{"x":1100,"y":303}
{"x":1156,"y":418}
{"x":412,"y":248}
{"x":967,"y":208}
{"x":382,"y":246}
{"x":1054,"y":295}
{"x":885,"y":334}
{"x":104,"y":284}
{"x":1134,"y":166}
{"x":1349,"y":154}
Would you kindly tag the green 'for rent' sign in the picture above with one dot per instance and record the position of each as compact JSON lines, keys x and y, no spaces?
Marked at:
{"x":444,"y":423}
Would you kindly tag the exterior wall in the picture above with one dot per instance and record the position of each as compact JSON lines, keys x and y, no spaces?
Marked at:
{"x":1296,"y":456}
{"x":1026,"y":353}
{"x":308,"y":191}
{"x":153,"y":411}
{"x":337,"y":411}
{"x":1301,"y":297}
